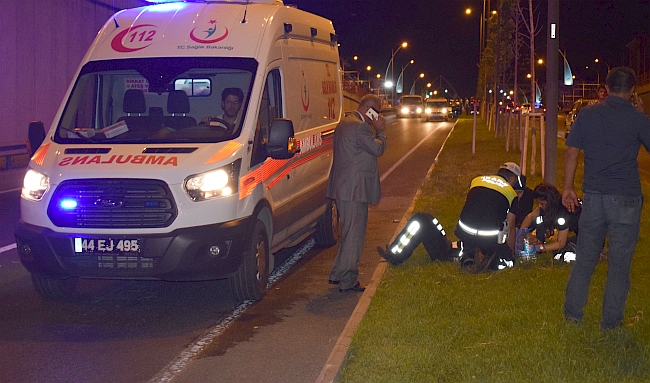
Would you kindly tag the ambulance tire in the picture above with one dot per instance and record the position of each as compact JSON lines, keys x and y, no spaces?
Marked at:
{"x":54,"y":289}
{"x":250,"y":281}
{"x":328,"y":229}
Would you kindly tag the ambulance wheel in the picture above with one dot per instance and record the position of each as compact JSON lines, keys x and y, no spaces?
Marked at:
{"x":328,"y":229}
{"x":54,"y":289}
{"x":250,"y":280}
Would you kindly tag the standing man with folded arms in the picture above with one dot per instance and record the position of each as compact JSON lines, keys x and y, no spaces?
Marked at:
{"x":354,"y":183}
{"x":610,"y":134}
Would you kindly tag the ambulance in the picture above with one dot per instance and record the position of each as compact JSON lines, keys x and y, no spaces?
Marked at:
{"x":194,"y":142}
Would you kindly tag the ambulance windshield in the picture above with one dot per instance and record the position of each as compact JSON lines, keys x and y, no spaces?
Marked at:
{"x":157,"y":100}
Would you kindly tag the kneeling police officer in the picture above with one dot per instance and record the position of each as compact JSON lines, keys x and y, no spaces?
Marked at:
{"x":482,"y":227}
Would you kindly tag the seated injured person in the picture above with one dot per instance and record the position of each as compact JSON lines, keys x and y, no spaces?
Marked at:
{"x":550,"y":220}
{"x":482,"y":227}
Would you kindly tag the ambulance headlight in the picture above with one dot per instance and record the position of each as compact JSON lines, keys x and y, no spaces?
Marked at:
{"x":221,"y":182}
{"x":444,"y":110}
{"x":405,"y":110}
{"x":419,"y":110}
{"x":35,"y":185}
{"x":428,"y":110}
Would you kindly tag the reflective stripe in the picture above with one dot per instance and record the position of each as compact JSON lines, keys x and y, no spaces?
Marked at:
{"x":406,"y":237}
{"x":504,"y":264}
{"x":496,"y":183}
{"x":470,"y":230}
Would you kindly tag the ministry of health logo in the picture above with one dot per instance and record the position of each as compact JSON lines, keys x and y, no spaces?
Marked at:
{"x":213,"y":34}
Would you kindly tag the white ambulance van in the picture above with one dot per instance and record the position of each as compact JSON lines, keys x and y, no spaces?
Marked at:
{"x":144,"y":175}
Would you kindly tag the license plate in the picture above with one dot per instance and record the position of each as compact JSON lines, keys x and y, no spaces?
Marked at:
{"x":106,"y":245}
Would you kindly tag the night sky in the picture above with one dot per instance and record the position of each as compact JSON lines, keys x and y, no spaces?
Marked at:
{"x":444,"y":41}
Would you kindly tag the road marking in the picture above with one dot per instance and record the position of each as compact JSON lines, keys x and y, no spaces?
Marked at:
{"x":7,"y":248}
{"x":10,"y":191}
{"x":193,"y":351}
{"x":399,"y":162}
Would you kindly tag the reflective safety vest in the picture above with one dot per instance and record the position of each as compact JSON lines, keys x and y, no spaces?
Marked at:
{"x":497,"y":183}
{"x":494,"y":183}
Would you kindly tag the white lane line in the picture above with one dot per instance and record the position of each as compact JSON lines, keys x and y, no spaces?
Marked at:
{"x":399,"y":162}
{"x":7,"y":248}
{"x":10,"y":190}
{"x":193,"y":351}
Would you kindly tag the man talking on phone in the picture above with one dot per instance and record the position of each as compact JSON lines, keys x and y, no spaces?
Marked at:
{"x":610,"y":134}
{"x":359,"y":139}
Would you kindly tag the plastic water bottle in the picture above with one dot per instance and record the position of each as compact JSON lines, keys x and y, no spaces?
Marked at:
{"x":528,"y":252}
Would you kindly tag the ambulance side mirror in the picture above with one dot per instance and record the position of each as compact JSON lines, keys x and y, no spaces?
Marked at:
{"x":282,"y":143}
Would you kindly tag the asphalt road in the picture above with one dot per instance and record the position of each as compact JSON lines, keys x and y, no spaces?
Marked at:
{"x":129,"y":331}
{"x":147,"y":331}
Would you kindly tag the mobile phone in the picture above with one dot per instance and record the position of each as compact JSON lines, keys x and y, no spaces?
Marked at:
{"x":372,"y":114}
{"x":633,"y":98}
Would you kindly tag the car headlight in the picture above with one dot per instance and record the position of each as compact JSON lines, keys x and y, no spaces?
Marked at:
{"x":444,"y":110}
{"x":405,"y":110}
{"x":428,"y":110}
{"x":35,"y":185}
{"x":418,"y":110}
{"x":220,"y":182}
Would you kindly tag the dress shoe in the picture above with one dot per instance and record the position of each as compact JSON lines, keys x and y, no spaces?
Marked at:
{"x":355,"y":288}
{"x":333,"y":282}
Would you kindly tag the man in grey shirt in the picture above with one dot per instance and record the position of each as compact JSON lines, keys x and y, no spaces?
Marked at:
{"x":610,"y":134}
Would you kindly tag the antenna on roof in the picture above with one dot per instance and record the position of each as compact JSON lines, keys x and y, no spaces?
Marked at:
{"x":243,"y":21}
{"x":114,"y":19}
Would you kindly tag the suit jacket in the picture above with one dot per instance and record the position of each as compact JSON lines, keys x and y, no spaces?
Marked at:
{"x":355,"y":175}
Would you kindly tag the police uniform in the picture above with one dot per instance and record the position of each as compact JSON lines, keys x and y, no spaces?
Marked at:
{"x":482,"y":219}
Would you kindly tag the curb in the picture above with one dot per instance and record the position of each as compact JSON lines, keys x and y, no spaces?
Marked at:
{"x":338,"y":355}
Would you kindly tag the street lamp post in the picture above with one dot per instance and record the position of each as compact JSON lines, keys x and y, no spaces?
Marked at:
{"x":414,"y":81}
{"x":597,"y":73}
{"x":597,"y":60}
{"x":401,"y":78}
{"x":391,"y":64}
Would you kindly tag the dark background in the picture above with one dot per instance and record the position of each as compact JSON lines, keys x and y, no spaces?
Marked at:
{"x":443,"y":40}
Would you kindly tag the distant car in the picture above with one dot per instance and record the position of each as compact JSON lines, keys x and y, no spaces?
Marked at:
{"x":437,"y":109}
{"x":410,"y":106}
{"x":573,"y":114}
{"x":524,"y":108}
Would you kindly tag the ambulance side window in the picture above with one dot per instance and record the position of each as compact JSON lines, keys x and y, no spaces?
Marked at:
{"x":270,"y":109}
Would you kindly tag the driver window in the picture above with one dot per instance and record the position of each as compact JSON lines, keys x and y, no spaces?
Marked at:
{"x":270,"y":109}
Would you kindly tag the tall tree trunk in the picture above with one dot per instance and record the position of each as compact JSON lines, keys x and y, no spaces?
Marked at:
{"x":533,"y":90}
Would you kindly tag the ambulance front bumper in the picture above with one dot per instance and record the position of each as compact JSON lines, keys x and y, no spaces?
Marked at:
{"x":189,"y":254}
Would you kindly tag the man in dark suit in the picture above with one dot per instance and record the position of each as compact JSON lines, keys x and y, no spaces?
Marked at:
{"x":354,"y":183}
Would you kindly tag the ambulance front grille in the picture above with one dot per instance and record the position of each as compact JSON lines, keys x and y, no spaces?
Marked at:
{"x":112,"y":204}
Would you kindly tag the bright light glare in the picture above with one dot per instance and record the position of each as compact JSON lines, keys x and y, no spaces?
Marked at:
{"x":35,"y":185}
{"x":164,"y":6}
{"x":68,"y":204}
{"x":214,"y":180}
{"x":389,"y":84}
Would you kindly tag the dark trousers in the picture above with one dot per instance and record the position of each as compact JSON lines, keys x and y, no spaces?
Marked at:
{"x":423,"y":229}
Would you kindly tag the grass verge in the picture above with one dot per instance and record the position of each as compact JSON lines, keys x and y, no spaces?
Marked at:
{"x":431,"y":322}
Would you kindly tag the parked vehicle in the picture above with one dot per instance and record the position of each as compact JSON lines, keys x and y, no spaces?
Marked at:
{"x":410,"y":106}
{"x":141,"y":176}
{"x":573,"y":114}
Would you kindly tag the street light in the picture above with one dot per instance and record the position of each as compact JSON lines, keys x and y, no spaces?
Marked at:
{"x":414,"y":81}
{"x":597,"y":60}
{"x":391,"y":64}
{"x":597,"y":73}
{"x":400,"y":80}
